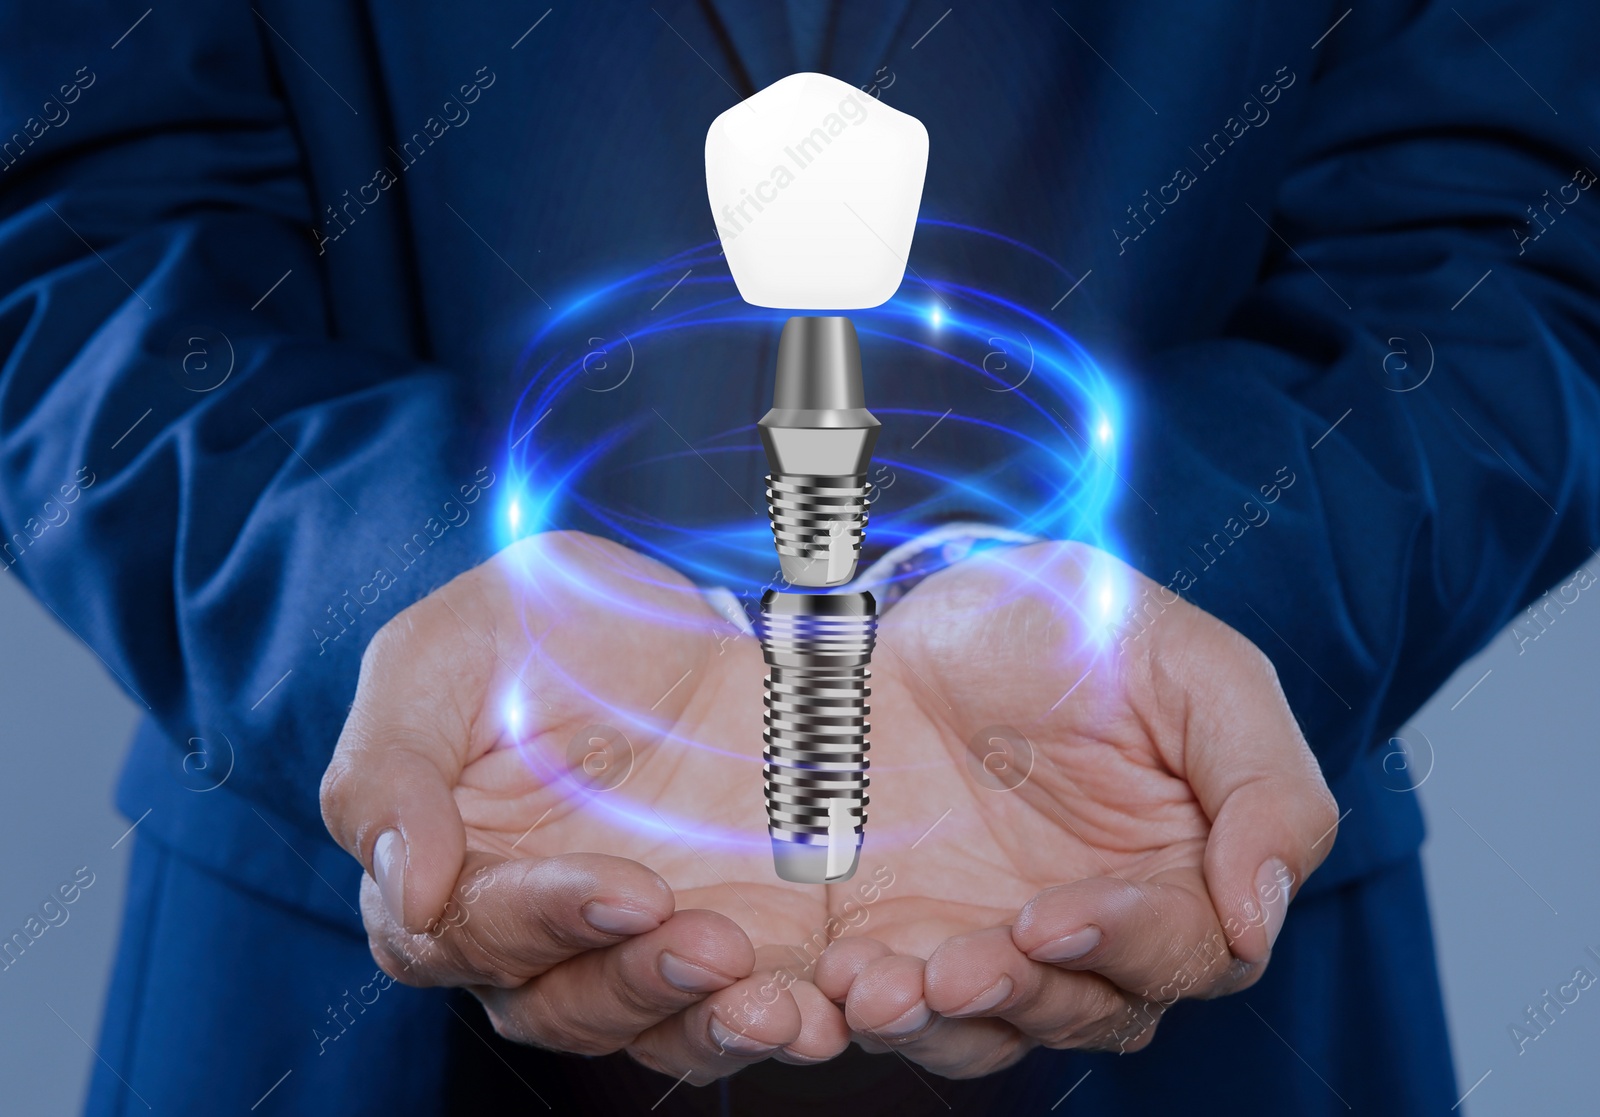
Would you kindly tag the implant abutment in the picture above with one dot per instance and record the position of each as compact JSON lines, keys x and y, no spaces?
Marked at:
{"x":819,"y":438}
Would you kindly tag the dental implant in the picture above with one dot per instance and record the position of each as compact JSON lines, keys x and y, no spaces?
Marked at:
{"x":818,"y":437}
{"x":833,"y":233}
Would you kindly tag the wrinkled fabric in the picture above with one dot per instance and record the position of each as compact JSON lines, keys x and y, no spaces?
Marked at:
{"x":1276,"y":226}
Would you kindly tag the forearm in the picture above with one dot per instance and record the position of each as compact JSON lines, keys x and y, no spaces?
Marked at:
{"x":218,"y":495}
{"x":1395,"y":441}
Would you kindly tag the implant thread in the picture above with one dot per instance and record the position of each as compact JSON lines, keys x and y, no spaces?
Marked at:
{"x":816,"y":724}
{"x":818,"y":519}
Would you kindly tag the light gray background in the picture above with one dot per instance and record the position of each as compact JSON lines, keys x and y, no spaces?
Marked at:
{"x":1505,"y":763}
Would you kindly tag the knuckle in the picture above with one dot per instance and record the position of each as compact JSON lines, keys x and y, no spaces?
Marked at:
{"x":435,"y":957}
{"x":554,"y":921}
{"x":594,"y":1045}
{"x":1326,"y":811}
{"x":526,"y":1019}
{"x":694,"y":1075}
{"x":488,"y":949}
{"x":1132,"y":1029}
{"x":517,"y":1027}
{"x":458,"y":951}
{"x":563,"y":1028}
{"x":394,"y":962}
{"x":334,"y":793}
{"x":1186,"y":967}
{"x":1259,"y":662}
{"x":1123,"y":1043}
{"x":1104,"y":1013}
{"x":1062,"y":1036}
{"x":636,"y":1002}
{"x":1008,"y":1051}
{"x":387,"y":640}
{"x":1236,"y":977}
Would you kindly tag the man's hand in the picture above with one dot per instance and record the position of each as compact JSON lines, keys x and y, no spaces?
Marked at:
{"x":570,"y":695}
{"x":1169,"y":809}
{"x":1148,"y":806}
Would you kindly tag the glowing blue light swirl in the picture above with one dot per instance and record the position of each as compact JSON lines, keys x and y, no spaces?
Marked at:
{"x":1047,"y":465}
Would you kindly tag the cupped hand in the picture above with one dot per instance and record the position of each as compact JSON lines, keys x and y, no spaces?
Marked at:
{"x":1151,"y":842}
{"x":571,"y":695}
{"x":1082,"y":824}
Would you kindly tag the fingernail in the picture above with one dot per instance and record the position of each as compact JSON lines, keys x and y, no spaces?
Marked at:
{"x":389,"y":870}
{"x":792,"y":1056}
{"x":689,"y":977}
{"x":618,"y":921}
{"x":727,"y":1039}
{"x":1272,"y":892}
{"x":908,"y":1023}
{"x":1069,"y":947}
{"x":986,"y":1000}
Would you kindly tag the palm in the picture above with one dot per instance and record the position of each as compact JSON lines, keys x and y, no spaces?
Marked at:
{"x":588,"y":640}
{"x":585,"y":699}
{"x":984,"y":652}
{"x":638,"y":651}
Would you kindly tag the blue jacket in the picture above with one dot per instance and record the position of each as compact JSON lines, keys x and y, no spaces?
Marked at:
{"x":1362,"y":260}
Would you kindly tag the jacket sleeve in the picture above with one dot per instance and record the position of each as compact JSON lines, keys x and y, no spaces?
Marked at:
{"x":219,"y":497}
{"x":1395,"y":444}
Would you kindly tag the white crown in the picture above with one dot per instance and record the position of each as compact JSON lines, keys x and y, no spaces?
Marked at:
{"x":814,"y":186}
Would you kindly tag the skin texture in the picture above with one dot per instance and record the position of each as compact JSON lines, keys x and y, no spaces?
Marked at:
{"x":1158,"y":790}
{"x":1170,"y":808}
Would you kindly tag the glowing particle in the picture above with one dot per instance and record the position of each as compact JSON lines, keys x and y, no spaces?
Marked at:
{"x":514,"y":514}
{"x":513,"y":716}
{"x":1104,"y":431}
{"x":937,"y":317}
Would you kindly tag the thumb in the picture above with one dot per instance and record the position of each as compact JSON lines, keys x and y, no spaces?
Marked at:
{"x":1273,"y":819}
{"x":393,"y":811}
{"x":387,"y":796}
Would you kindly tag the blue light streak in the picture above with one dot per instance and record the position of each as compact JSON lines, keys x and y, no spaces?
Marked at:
{"x":1045,"y":434}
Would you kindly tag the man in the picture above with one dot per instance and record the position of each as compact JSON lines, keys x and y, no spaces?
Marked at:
{"x":1274,"y":215}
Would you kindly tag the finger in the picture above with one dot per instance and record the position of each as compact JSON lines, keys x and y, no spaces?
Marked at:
{"x":842,"y":961}
{"x":983,"y":974}
{"x":886,"y":1001}
{"x":888,"y":1010}
{"x":507,"y":921}
{"x":393,"y":811}
{"x":598,"y":1002}
{"x":823,"y":1032}
{"x":1160,"y":939}
{"x":1272,"y":816}
{"x":386,"y":796}
{"x":723,"y":1033}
